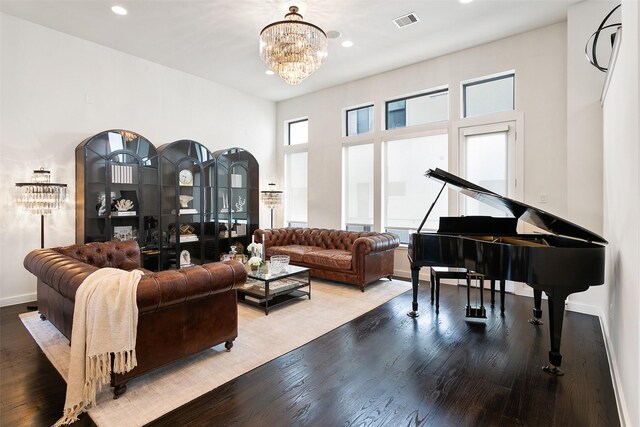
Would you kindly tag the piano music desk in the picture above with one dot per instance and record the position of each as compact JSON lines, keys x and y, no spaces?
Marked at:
{"x":438,"y":273}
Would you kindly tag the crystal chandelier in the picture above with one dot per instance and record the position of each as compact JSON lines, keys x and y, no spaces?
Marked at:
{"x":292,"y":48}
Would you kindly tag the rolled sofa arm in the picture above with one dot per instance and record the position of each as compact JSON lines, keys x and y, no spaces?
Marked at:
{"x":65,"y":274}
{"x":376,"y":243}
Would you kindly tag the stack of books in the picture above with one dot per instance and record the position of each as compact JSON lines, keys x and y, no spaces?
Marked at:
{"x":184,"y":238}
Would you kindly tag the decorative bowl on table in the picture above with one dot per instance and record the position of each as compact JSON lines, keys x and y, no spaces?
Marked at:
{"x":279,"y":263}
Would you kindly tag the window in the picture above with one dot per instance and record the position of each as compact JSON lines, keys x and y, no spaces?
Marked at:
{"x":359,"y":120}
{"x":358,"y":187}
{"x":295,"y":193}
{"x":407,"y":192}
{"x":418,"y":110}
{"x":298,"y":132}
{"x":489,"y":95}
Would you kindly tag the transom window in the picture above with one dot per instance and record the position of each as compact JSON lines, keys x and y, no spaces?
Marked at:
{"x":420,"y":109}
{"x":298,"y":132}
{"x":489,"y":95}
{"x":359,"y":120}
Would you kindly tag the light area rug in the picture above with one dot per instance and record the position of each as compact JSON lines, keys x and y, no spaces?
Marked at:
{"x":261,"y":338}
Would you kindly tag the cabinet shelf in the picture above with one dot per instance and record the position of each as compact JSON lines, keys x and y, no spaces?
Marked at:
{"x":120,"y":164}
{"x":113,"y":165}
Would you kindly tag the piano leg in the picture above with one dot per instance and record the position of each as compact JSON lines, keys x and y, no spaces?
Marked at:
{"x":432,"y":283}
{"x":502,"y":295}
{"x":415,"y":273}
{"x":556,"y":317}
{"x":493,"y":292}
{"x":537,"y":310}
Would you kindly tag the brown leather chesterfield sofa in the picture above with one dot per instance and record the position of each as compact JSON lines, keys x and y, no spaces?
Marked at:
{"x":181,"y":312}
{"x":358,"y":258}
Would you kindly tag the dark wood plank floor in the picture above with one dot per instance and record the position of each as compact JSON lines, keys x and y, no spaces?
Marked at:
{"x":380,"y":369}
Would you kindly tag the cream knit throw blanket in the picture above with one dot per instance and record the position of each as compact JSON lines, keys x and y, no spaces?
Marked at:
{"x":105,"y":322}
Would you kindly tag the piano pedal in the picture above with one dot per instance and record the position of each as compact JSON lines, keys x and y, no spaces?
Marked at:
{"x":476,"y":312}
{"x":535,"y":321}
{"x":553,"y":370}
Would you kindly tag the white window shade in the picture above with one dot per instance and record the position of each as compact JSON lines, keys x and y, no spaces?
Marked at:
{"x":489,"y":96}
{"x":296,"y":187}
{"x":408,"y":193}
{"x":358,"y":185}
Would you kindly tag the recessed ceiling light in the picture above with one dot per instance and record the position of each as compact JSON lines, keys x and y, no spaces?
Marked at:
{"x":269,"y":72}
{"x":118,"y":10}
{"x":465,"y":1}
{"x":347,"y":43}
{"x":333,"y":34}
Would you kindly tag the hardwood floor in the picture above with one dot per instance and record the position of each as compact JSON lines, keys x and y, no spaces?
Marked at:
{"x":383,"y":368}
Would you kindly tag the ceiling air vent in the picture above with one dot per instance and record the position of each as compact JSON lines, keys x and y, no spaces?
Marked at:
{"x":406,"y":20}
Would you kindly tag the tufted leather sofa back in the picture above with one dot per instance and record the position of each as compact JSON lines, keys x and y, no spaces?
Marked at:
{"x":124,"y":255}
{"x":64,"y":269}
{"x":319,"y":237}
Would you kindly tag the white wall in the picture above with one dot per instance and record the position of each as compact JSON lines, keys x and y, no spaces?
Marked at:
{"x":57,"y":90}
{"x":584,"y":133}
{"x":621,"y":130}
{"x":539,"y":60}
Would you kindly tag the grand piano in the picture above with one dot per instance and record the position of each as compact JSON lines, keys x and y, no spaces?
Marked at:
{"x":568,"y":260}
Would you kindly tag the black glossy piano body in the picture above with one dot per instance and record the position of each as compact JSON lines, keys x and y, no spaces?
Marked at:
{"x":567,"y":260}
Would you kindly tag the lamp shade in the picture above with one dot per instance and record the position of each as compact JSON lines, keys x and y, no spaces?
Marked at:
{"x":271,"y":198}
{"x":40,"y":196}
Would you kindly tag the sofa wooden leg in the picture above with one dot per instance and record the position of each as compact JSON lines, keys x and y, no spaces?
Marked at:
{"x":119,"y":390}
{"x":228,"y":345}
{"x":362,"y":288}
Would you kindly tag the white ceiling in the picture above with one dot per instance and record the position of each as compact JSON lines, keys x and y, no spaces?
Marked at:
{"x":218,"y":39}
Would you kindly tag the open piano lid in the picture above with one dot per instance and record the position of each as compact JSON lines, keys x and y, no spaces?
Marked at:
{"x":524,"y":212}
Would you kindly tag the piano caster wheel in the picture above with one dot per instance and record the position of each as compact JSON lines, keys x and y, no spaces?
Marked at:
{"x":553,"y":370}
{"x":535,"y":321}
{"x":413,"y":314}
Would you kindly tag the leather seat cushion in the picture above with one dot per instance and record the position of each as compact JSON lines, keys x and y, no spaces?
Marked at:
{"x":295,"y":252}
{"x":334,"y":259}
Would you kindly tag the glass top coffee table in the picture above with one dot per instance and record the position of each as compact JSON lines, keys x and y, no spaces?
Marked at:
{"x":266,"y":289}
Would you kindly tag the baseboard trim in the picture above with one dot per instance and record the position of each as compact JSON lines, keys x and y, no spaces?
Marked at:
{"x":18,"y":299}
{"x":615,"y":373}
